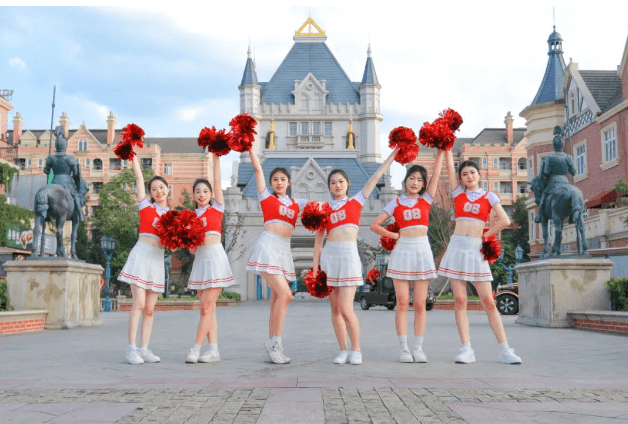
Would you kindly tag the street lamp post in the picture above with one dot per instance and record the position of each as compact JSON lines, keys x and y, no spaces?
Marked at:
{"x":167,"y":261}
{"x":509,"y":269}
{"x":108,"y":245}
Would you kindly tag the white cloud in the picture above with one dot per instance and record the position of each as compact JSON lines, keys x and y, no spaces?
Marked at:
{"x":17,"y":63}
{"x":216,"y":112}
{"x":96,"y":110}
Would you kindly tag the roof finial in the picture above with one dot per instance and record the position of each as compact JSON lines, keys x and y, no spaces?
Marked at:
{"x":368,"y":52}
{"x":554,"y":15}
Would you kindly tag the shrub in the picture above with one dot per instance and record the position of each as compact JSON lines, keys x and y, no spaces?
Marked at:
{"x":229,"y":295}
{"x":618,"y":287}
{"x":4,"y":296}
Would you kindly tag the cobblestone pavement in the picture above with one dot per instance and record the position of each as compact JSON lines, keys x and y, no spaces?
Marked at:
{"x":339,"y":405}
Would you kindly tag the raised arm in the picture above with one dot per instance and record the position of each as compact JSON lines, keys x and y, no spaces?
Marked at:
{"x":370,"y":184}
{"x":259,"y":172}
{"x":217,"y":180}
{"x":451,"y":170}
{"x":377,"y":228}
{"x":139,"y":179}
{"x":318,"y":247}
{"x":438,"y":165}
{"x":501,"y":221}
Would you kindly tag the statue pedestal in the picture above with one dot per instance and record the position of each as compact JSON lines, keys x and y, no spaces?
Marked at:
{"x":550,"y":288}
{"x":68,"y":290}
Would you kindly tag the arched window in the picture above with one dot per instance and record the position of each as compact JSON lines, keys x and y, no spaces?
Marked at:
{"x":522,"y":164}
{"x":572,"y":100}
{"x":305,"y":102}
{"x":97,"y":164}
{"x":317,"y":103}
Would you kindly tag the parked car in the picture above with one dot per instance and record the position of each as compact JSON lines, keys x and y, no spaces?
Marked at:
{"x":507,"y":299}
{"x":380,"y":291}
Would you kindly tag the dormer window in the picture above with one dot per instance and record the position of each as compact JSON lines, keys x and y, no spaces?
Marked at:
{"x":82,"y":145}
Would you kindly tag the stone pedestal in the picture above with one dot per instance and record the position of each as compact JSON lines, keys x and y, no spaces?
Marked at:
{"x":549,"y":289}
{"x":68,"y":290}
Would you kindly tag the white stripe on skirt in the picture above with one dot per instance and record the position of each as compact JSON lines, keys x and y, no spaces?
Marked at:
{"x":272,"y":255}
{"x":464,"y":261}
{"x":412,"y":259}
{"x":210,"y":268}
{"x":145,"y":267}
{"x":341,"y":262}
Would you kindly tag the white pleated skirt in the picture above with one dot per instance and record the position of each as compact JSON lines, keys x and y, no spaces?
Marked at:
{"x":341,"y":262}
{"x":412,"y":259}
{"x":145,"y":267}
{"x":210,"y":268}
{"x":464,"y":261}
{"x":272,"y":255}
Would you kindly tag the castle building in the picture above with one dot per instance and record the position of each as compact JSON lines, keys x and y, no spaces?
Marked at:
{"x":312,"y":118}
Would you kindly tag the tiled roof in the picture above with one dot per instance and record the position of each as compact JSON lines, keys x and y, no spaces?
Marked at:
{"x":497,"y":136}
{"x":250,"y":76}
{"x":302,"y":59}
{"x":370,"y":76}
{"x":358,"y":173}
{"x":552,"y":84}
{"x":603,"y":86}
{"x":176,"y":144}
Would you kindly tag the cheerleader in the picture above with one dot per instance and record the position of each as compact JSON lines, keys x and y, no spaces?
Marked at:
{"x":340,"y":259}
{"x":463,"y":261}
{"x":210,"y":270}
{"x":144,"y":268}
{"x":272,"y":258}
{"x":411,"y":260}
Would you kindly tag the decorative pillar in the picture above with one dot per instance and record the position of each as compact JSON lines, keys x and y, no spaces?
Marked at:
{"x":271,"y":146}
{"x":18,"y":123}
{"x":351,"y":135}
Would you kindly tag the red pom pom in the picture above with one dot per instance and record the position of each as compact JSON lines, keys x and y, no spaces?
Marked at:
{"x":407,"y":153}
{"x":168,"y":230}
{"x":437,"y":134}
{"x":401,"y":136}
{"x":133,"y":134}
{"x":191,"y":229}
{"x":453,"y":118}
{"x":373,"y":275}
{"x":491,"y":249}
{"x":216,"y":142}
{"x":315,"y":217}
{"x":386,"y":242}
{"x":242,"y":132}
{"x":124,"y":150}
{"x":317,"y":287}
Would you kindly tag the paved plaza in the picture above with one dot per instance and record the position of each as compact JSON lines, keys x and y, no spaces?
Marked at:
{"x":72,"y":376}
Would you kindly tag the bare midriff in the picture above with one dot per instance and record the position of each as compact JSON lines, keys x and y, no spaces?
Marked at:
{"x":413,"y":232}
{"x":211,"y":239}
{"x":469,"y":228}
{"x":151,"y":241}
{"x":281,"y":230}
{"x":343,"y":234}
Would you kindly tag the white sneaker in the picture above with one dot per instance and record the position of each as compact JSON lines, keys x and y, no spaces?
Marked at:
{"x":149,"y":357}
{"x":419,"y":355}
{"x":274,"y":353}
{"x":466,"y":356}
{"x":209,"y":356}
{"x":286,"y":360}
{"x":405,"y":357}
{"x":507,"y":356}
{"x":342,"y":358}
{"x":133,"y":356}
{"x":355,"y":358}
{"x":192,"y":357}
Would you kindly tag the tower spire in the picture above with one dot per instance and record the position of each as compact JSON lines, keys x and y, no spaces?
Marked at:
{"x":552,"y":84}
{"x":370,"y":76}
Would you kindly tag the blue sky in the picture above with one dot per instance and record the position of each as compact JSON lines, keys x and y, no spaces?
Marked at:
{"x":174,"y":70}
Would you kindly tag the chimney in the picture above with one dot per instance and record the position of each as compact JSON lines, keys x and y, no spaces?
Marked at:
{"x":64,"y":121}
{"x":18,"y":122}
{"x":510,"y":132}
{"x":111,"y":128}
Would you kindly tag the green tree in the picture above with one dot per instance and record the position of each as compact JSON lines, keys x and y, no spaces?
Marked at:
{"x":117,"y":216}
{"x":519,"y":236}
{"x":621,"y":187}
{"x":440,"y":229}
{"x":12,"y":214}
{"x":500,"y":275}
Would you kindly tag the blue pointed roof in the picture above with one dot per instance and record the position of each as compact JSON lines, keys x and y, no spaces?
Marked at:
{"x":303,"y":58}
{"x":370,"y":76}
{"x":552,"y":84}
{"x":250,"y":76}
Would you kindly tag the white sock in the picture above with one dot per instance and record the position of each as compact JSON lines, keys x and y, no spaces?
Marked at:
{"x":418,"y":344}
{"x":143,"y":349}
{"x":504,"y":345}
{"x":275,"y":340}
{"x":403,"y":341}
{"x":467,"y":345}
{"x":133,"y":347}
{"x":213,"y":347}
{"x":197,"y":348}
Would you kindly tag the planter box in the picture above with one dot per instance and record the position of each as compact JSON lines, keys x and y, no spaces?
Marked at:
{"x":472,"y":305}
{"x":604,"y":321}
{"x":164,"y":305}
{"x":14,"y":322}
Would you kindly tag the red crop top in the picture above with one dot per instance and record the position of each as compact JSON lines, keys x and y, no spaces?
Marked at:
{"x":348,"y":215}
{"x":211,"y":218}
{"x":477,"y":210}
{"x":149,"y":215}
{"x":412,"y":217}
{"x":284,"y":210}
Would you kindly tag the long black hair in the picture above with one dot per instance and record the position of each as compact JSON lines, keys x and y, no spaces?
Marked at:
{"x":152,"y":180}
{"x":201,"y":181}
{"x":286,"y":173}
{"x":421,"y":170}
{"x":465,"y":164}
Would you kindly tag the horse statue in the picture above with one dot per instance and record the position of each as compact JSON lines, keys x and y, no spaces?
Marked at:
{"x":53,"y":201}
{"x":61,"y":200}
{"x":557,"y":198}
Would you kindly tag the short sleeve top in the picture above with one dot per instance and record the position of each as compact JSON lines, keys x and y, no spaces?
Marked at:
{"x":149,"y":216}
{"x":473,"y":205}
{"x":211,"y":217}
{"x":346,"y":212}
{"x":282,"y":210}
{"x":410,"y":212}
